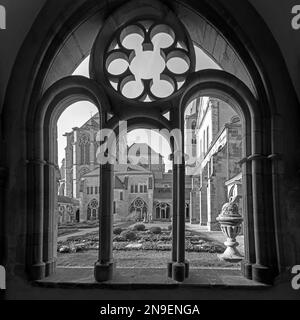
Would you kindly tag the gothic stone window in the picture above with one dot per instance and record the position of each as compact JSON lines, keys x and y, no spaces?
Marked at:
{"x":163,"y":211}
{"x":84,"y":144}
{"x":139,"y":207}
{"x":92,"y":212}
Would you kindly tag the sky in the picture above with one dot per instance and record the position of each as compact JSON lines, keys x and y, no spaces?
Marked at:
{"x":78,"y":113}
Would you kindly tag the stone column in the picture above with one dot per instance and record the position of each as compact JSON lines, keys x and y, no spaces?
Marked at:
{"x":195,"y":206}
{"x":76,"y":154}
{"x":3,"y":176}
{"x":180,"y":268}
{"x":247,"y":197}
{"x":211,"y":199}
{"x":49,"y":218}
{"x":92,"y":153}
{"x":35,"y":189}
{"x":104,"y":266}
{"x":174,"y":220}
{"x":203,"y":198}
{"x":261,"y":270}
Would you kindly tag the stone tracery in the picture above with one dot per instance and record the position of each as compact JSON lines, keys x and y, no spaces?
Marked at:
{"x":131,"y":56}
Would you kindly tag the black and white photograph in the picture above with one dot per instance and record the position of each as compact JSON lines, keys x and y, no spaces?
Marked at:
{"x":149,"y":156}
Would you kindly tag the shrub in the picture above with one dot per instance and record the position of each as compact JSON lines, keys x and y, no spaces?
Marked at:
{"x":165,"y":238}
{"x":129,"y":235}
{"x":117,"y":231}
{"x":170,"y":227}
{"x":139,"y":227}
{"x":119,"y":239}
{"x":155,"y":230}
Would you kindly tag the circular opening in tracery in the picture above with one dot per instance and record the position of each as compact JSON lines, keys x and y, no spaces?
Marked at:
{"x":132,"y":37}
{"x":162,"y":89}
{"x":178,"y":65}
{"x":117,"y":67}
{"x":132,"y":89}
{"x":162,"y":36}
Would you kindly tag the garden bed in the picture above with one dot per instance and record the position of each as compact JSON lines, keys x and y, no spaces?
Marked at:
{"x":130,"y":239}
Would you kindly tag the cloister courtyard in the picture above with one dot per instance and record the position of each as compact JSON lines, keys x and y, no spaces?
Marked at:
{"x":138,"y":245}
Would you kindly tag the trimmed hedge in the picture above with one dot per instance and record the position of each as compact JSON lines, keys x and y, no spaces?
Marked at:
{"x":139,"y":227}
{"x":129,"y":235}
{"x":155,"y":230}
{"x":117,"y":231}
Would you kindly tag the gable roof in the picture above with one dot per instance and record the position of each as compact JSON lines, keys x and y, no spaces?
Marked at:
{"x":67,"y":200}
{"x":119,"y":184}
{"x":93,"y":122}
{"x":120,"y":169}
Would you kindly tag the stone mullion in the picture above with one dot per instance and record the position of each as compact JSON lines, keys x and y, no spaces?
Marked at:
{"x":262,"y":271}
{"x":49,"y":217}
{"x":174,"y":220}
{"x":3,"y":177}
{"x":104,"y":265}
{"x":248,"y":219}
{"x":175,"y":120}
{"x":180,"y":268}
{"x":36,"y":210}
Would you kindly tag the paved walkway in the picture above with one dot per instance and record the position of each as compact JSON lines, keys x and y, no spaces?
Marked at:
{"x":81,"y":232}
{"x":215,"y":235}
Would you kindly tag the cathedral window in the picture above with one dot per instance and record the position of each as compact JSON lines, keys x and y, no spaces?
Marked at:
{"x":163,"y":211}
{"x":207,"y":137}
{"x":193,"y":125}
{"x":92,"y":212}
{"x":84,"y":144}
{"x":187,"y":211}
{"x":150,"y":183}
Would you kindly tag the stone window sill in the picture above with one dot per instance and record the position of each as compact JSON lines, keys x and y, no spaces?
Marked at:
{"x":142,"y":278}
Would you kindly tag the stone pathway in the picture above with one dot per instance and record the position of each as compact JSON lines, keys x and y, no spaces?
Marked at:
{"x":81,"y":232}
{"x":85,"y":231}
{"x":215,"y":235}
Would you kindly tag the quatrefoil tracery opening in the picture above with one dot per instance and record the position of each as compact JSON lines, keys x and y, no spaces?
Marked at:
{"x":146,"y":62}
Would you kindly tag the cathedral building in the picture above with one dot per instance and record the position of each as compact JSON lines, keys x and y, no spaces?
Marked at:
{"x":142,"y":192}
{"x":217,"y":137}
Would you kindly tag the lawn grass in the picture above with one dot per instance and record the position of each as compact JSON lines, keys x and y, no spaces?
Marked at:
{"x":142,"y":259}
{"x":63,"y":231}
